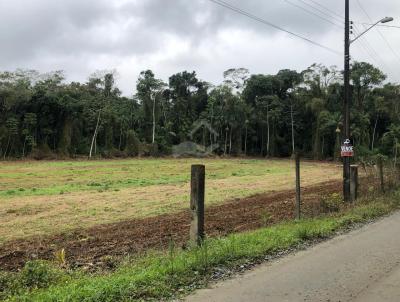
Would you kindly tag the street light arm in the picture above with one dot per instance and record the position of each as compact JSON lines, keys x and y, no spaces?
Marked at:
{"x":365,"y":31}
{"x":384,"y":20}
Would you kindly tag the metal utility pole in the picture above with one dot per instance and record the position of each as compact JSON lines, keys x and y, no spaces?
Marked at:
{"x":346,"y":103}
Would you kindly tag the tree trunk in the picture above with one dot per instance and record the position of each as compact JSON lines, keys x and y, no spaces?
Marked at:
{"x":317,"y":143}
{"x":23,"y":148}
{"x":94,"y":135}
{"x":211,"y":134}
{"x":204,"y":137}
{"x":245,"y":142}
{"x":374,"y":133}
{"x":262,"y":141}
{"x":211,"y":142}
{"x":120,"y":139}
{"x":336,"y":152}
{"x":268,"y":129}
{"x":7,"y":146}
{"x":154,"y":120}
{"x":226,"y":140}
{"x":230,"y":141}
{"x":292,"y":120}
{"x":64,"y":144}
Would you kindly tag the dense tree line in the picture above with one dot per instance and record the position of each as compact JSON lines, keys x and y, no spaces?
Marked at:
{"x":43,"y":116}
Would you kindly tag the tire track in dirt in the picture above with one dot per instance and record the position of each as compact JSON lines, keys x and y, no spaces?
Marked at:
{"x":88,"y":247}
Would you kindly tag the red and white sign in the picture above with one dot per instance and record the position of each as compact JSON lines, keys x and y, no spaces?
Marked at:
{"x":347,"y":149}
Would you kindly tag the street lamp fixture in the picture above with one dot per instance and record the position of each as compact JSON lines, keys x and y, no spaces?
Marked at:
{"x":386,"y":20}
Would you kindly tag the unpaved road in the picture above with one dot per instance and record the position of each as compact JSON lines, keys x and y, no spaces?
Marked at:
{"x":361,"y":266}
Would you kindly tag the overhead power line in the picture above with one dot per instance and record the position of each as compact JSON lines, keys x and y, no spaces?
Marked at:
{"x":265,"y":22}
{"x":368,"y":49}
{"x":327,"y":9}
{"x":379,"y":32}
{"x":312,"y":13}
{"x":371,"y":52}
{"x":319,"y":10}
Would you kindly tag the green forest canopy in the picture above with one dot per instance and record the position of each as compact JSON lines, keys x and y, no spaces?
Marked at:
{"x":43,"y":116}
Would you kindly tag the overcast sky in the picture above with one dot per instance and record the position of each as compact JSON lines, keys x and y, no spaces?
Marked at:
{"x":169,"y":36}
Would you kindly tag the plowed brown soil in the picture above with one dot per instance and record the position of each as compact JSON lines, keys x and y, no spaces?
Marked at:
{"x":88,"y":247}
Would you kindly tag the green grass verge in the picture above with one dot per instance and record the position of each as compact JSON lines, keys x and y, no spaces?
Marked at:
{"x":160,"y":275}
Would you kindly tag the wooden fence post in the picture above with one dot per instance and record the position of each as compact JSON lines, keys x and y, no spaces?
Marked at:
{"x":197,"y":188}
{"x":298,"y":198}
{"x":380,"y":171}
{"x":353,"y":182}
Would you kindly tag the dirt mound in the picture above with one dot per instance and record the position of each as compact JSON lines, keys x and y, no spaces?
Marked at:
{"x":88,"y":247}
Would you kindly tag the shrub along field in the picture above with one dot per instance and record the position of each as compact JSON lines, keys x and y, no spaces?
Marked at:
{"x":42,"y":198}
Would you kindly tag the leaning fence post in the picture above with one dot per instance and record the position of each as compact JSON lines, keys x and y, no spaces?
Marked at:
{"x":197,"y":188}
{"x":353,"y":182}
{"x":380,"y":171}
{"x":298,"y":198}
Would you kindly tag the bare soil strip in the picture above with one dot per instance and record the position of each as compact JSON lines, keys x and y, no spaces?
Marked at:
{"x":89,"y":247}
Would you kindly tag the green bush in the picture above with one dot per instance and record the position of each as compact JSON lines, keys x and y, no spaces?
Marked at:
{"x":154,"y":149}
{"x":39,"y":274}
{"x":149,"y":149}
{"x":364,"y":153}
{"x":164,"y":146}
{"x":34,"y":275}
{"x":132,"y":144}
{"x":8,"y":284}
{"x":42,"y":152}
{"x":331,"y":203}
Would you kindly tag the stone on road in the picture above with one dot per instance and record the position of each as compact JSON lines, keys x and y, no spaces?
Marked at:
{"x":361,"y":266}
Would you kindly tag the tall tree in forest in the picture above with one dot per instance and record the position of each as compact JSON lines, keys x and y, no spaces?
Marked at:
{"x":236,"y":79}
{"x":149,"y":92}
{"x":364,"y":76}
{"x":188,"y":97}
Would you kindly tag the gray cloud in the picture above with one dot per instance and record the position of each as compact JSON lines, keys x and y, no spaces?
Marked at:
{"x":80,"y":36}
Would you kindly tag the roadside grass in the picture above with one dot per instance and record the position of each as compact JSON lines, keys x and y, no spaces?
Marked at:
{"x":44,"y":198}
{"x":165,"y":275}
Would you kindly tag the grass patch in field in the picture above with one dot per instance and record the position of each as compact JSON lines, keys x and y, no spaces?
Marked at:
{"x":161,"y":275}
{"x":74,"y":193}
{"x":50,"y":177}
